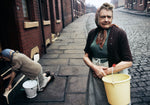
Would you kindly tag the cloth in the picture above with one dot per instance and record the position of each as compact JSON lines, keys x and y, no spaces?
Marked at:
{"x":96,"y":50}
{"x":96,"y":94}
{"x":98,"y":61}
{"x":117,"y":45}
{"x":102,"y":35}
{"x":104,"y":61}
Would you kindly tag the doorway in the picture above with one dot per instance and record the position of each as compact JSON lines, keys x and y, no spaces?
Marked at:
{"x":8,"y":30}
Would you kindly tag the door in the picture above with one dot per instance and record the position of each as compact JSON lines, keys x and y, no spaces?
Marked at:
{"x":8,"y":30}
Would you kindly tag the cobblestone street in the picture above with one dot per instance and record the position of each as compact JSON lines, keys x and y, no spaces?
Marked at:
{"x":137,"y":29}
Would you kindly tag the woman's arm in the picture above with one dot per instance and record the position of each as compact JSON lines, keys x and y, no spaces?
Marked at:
{"x":99,"y":70}
{"x":119,"y":67}
{"x":12,"y":75}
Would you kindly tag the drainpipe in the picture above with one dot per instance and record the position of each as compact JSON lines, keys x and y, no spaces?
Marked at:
{"x":72,"y":3}
{"x":42,"y":28}
{"x":62,"y":12}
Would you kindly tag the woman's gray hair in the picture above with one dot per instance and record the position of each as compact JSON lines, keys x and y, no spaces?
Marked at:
{"x":106,"y":6}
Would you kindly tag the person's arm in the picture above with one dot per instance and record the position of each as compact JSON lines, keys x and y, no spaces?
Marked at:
{"x":119,"y":67}
{"x":124,"y":52}
{"x":12,"y":75}
{"x":8,"y":76}
{"x":99,"y":70}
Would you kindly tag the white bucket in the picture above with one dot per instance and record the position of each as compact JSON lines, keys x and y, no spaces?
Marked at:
{"x":30,"y":87}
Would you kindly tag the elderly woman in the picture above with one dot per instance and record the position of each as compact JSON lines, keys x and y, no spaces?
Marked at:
{"x":24,"y":64}
{"x":106,"y":45}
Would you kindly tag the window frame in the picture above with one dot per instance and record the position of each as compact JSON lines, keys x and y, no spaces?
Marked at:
{"x":57,"y":10}
{"x":141,"y":1}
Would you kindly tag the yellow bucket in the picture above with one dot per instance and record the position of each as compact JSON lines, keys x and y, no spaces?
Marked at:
{"x":117,"y":87}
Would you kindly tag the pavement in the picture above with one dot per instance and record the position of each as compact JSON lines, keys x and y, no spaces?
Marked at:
{"x":135,"y":12}
{"x":64,"y":58}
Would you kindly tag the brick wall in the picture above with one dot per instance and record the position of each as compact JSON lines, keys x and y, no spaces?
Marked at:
{"x":67,"y":13}
{"x":140,"y":6}
{"x":56,"y":27}
{"x":29,"y":38}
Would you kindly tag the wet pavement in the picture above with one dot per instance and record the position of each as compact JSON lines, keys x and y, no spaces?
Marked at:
{"x":64,"y":58}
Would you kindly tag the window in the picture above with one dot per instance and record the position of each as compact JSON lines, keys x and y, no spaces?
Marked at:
{"x":57,"y":9}
{"x":141,"y":1}
{"x":28,"y":12}
{"x":25,"y":9}
{"x":44,"y":10}
{"x":134,"y":0}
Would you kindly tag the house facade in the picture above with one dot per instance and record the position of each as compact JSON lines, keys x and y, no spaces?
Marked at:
{"x":32,"y":25}
{"x":139,"y":5}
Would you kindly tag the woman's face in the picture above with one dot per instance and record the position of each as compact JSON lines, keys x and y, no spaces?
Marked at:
{"x":105,"y":18}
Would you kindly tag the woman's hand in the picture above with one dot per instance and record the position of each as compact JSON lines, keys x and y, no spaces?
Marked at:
{"x":99,"y":71}
{"x":108,"y":70}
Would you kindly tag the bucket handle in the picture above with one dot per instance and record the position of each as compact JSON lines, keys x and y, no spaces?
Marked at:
{"x":112,"y":73}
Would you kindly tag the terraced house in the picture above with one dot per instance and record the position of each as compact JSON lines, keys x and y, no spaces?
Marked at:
{"x":139,"y":5}
{"x":31,"y":25}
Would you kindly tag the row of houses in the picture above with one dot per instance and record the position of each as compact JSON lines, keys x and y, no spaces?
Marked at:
{"x":91,"y":9}
{"x":139,"y":5}
{"x":29,"y":26}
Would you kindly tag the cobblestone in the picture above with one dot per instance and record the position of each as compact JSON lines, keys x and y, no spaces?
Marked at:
{"x":138,"y":35}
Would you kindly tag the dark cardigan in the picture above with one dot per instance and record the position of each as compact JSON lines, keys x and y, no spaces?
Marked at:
{"x":117,"y":45}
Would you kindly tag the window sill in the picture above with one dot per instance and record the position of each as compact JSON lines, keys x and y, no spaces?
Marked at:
{"x":134,"y":3}
{"x":58,"y":21}
{"x":31,"y":24}
{"x":141,"y":5}
{"x":46,"y":22}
